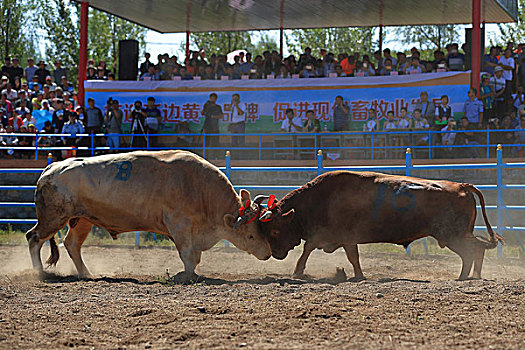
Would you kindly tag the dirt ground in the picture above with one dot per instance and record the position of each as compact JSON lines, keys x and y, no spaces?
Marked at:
{"x":406,"y":302}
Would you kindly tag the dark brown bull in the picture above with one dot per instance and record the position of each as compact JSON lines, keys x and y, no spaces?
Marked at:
{"x":343,"y":209}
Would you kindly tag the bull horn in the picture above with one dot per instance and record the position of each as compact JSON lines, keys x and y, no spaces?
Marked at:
{"x":266,"y":216}
{"x":238,"y":223}
{"x":260,"y":198}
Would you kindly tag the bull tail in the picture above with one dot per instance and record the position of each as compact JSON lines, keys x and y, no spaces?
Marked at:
{"x":494,"y":237}
{"x":53,"y":258}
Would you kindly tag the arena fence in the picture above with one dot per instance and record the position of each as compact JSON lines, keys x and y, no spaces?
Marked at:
{"x":343,"y":145}
{"x":501,"y":208}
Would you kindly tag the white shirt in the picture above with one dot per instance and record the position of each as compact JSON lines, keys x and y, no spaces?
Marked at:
{"x":403,"y":123}
{"x":421,"y":124}
{"x":449,"y":137}
{"x":288,"y":127}
{"x":370,"y":125}
{"x":12,"y":95}
{"x":27,"y":122}
{"x":389,"y":125}
{"x":236,"y":117}
{"x":507,"y":74}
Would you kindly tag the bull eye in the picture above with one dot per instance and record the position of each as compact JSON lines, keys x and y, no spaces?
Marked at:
{"x":251,"y":237}
{"x":274,"y":233}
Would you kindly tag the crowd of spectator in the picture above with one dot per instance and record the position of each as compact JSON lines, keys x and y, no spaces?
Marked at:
{"x":271,"y":65}
{"x":501,"y":103}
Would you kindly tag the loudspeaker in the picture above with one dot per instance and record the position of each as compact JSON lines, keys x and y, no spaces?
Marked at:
{"x":468,"y":41}
{"x":128,"y":58}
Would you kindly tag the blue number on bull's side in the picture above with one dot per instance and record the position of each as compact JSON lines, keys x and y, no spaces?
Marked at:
{"x":403,"y":191}
{"x":380,"y":199}
{"x":124,"y":170}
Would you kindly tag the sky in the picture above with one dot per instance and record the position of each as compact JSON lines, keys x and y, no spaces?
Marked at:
{"x":174,"y":44}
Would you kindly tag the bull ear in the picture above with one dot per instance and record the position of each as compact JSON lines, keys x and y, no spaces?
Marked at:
{"x":245,"y":195}
{"x":260,"y":198}
{"x":229,"y":220}
{"x":289,"y":215}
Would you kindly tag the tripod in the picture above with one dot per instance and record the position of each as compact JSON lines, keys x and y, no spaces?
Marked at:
{"x":140,"y":127}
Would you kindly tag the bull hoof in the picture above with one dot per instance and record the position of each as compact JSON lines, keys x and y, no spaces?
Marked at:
{"x":300,"y":276}
{"x":185,"y":278}
{"x":357,"y":279}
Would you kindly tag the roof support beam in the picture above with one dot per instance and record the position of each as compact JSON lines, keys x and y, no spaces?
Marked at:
{"x":82,"y":54}
{"x":281,"y":30}
{"x":476,"y":44}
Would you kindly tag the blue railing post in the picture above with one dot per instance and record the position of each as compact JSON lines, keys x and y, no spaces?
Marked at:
{"x":499,"y":195}
{"x":228,"y":169}
{"x":49,"y":158}
{"x":315,"y":143}
{"x":204,"y":145}
{"x":137,"y":239}
{"x":92,"y":144}
{"x":372,"y":145}
{"x":408,"y":162}
{"x":36,"y":146}
{"x":488,"y":143}
{"x":260,"y":145}
{"x":319,"y":162}
{"x":429,"y":145}
{"x":147,"y":141}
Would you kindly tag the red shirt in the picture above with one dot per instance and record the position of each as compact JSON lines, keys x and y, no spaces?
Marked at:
{"x":19,"y":123}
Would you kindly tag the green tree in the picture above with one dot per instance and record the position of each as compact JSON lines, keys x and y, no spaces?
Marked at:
{"x":104,"y":33}
{"x":511,"y":32}
{"x":62,"y":32}
{"x":429,"y":37}
{"x":222,"y":42}
{"x":16,"y":38}
{"x":265,"y":43}
{"x":336,"y":40}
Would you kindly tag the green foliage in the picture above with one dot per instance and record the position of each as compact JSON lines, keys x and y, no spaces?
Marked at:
{"x":265,"y":43}
{"x":104,"y":33}
{"x":16,"y":40}
{"x":222,"y":42}
{"x":336,"y":40}
{"x":511,"y":32}
{"x":56,"y":17}
{"x":431,"y":37}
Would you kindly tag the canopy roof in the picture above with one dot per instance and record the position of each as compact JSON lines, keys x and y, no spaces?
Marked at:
{"x":170,"y":16}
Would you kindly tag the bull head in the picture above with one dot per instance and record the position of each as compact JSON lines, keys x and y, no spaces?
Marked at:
{"x":249,"y":211}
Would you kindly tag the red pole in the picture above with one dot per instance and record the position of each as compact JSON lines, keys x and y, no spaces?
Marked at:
{"x":476,"y":44}
{"x":281,"y":32}
{"x":381,"y":39}
{"x":187,"y":44}
{"x":82,"y":54}
{"x":188,"y":19}
{"x":381,"y":6}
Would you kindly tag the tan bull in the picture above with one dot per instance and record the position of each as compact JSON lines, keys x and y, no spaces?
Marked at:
{"x":174,"y":193}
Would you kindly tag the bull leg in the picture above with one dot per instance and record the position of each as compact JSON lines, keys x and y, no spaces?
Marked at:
{"x":190,"y":258}
{"x":464,"y":249}
{"x":36,"y":237}
{"x":301,"y":263}
{"x":478,"y":261}
{"x":77,"y":234}
{"x":352,"y":253}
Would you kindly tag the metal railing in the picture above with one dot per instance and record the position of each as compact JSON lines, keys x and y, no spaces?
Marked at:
{"x":501,"y":208}
{"x":350,"y":145}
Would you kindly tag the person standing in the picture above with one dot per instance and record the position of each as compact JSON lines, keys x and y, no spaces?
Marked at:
{"x":30,"y":70}
{"x":212,"y":113}
{"x":113,"y":126}
{"x":138,"y":137}
{"x":152,"y":120}
{"x":507,"y":63}
{"x":341,"y":114}
{"x":473,"y":110}
{"x":94,"y":118}
{"x":238,"y":123}
{"x":72,"y":127}
{"x":291,"y":124}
